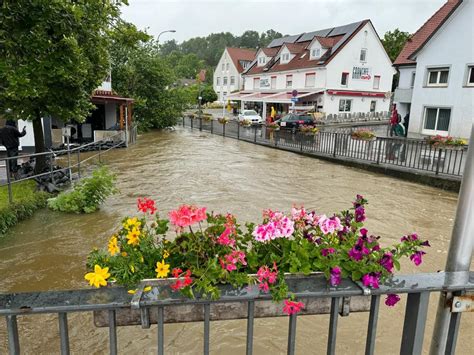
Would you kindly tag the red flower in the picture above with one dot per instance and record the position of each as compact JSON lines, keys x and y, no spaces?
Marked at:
{"x":292,"y":307}
{"x":183,"y":281}
{"x":145,"y":205}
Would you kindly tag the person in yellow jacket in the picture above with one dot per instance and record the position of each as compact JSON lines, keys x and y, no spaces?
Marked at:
{"x":273,"y":114}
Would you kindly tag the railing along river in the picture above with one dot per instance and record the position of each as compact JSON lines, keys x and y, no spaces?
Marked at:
{"x":113,"y":307}
{"x":403,"y":154}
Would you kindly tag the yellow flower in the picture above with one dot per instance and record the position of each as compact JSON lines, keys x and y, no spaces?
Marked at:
{"x":147,"y":289}
{"x":166,"y":254}
{"x":133,"y":237}
{"x":142,"y":259}
{"x":98,"y":277}
{"x":132,"y":267}
{"x":162,"y":269}
{"x":124,"y":253}
{"x":132,"y":223}
{"x":113,"y":246}
{"x":132,"y":292}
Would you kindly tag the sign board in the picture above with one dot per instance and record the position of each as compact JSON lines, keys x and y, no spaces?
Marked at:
{"x":66,"y":131}
{"x":294,"y":93}
{"x":294,"y":99}
{"x":361,"y":73}
{"x":264,"y":83}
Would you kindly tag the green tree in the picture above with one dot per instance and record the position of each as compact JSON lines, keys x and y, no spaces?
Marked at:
{"x":268,"y":36}
{"x":394,"y":41}
{"x":53,"y":55}
{"x":250,"y":39}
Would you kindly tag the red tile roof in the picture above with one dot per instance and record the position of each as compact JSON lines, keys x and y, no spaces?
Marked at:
{"x":425,"y":32}
{"x":271,"y":52}
{"x":238,"y":54}
{"x":296,"y":48}
{"x":328,"y":42}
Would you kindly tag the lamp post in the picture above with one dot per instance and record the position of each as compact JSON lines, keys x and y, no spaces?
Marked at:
{"x":158,"y":38}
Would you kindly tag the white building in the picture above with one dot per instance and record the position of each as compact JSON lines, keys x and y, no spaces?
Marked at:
{"x":227,"y":76}
{"x":436,"y":70}
{"x":339,"y":70}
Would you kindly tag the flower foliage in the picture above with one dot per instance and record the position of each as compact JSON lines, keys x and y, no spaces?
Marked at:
{"x":309,"y":129}
{"x":363,"y":134}
{"x":440,"y":141}
{"x":211,"y":249}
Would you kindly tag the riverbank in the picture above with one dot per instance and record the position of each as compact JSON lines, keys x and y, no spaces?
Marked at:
{"x":26,"y":200}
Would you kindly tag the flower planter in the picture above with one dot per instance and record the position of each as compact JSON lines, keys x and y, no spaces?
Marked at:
{"x":449,"y":147}
{"x":364,"y":139}
{"x":179,"y":309}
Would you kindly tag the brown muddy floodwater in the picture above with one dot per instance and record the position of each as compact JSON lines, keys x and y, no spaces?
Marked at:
{"x":48,"y":252}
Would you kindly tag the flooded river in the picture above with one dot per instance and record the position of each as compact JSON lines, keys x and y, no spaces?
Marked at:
{"x":48,"y":252}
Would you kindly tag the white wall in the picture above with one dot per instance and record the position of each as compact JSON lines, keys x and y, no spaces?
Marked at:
{"x":359,"y":104}
{"x":453,"y":46}
{"x":221,"y":88}
{"x":404,"y":81}
{"x":29,"y":139}
{"x":110,"y":115}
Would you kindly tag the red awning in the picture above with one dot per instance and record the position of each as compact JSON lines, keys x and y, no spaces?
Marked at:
{"x":356,"y":93}
{"x":275,"y":97}
{"x":104,"y":96}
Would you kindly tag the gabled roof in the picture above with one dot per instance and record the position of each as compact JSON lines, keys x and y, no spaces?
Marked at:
{"x":240,"y":54}
{"x":334,"y":39}
{"x":270,"y":52}
{"x":425,"y":32}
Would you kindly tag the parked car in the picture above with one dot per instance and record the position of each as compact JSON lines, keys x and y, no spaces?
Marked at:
{"x":250,"y":115}
{"x":293,"y":121}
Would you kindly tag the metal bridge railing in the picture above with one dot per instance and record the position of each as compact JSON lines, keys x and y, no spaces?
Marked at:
{"x":69,"y":168}
{"x":113,"y":307}
{"x":400,"y":153}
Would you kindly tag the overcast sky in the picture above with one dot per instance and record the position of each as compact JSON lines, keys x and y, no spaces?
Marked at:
{"x":191,"y":18}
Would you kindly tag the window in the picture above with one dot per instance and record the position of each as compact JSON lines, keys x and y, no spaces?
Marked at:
{"x":363,"y":55}
{"x":256,"y":83}
{"x":223,"y":66}
{"x":360,"y":72}
{"x":262,"y":60}
{"x":218,"y":81}
{"x":412,"y":84}
{"x":376,"y":82}
{"x":344,"y":78}
{"x":437,"y":119}
{"x":227,"y":66}
{"x":232,"y":80}
{"x":316,"y":53}
{"x":289,"y":81}
{"x":470,"y":75}
{"x":345,"y":105}
{"x":273,"y":82}
{"x":285,"y":57}
{"x":225,"y":80}
{"x":438,"y":77}
{"x":310,"y":80}
{"x":373,"y":104}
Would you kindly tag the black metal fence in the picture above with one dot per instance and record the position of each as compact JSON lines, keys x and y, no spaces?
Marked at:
{"x":161,"y":306}
{"x":400,"y":153}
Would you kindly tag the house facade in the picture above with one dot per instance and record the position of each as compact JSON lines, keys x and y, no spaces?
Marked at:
{"x":339,"y":70}
{"x":228,"y":73}
{"x":436,"y":87}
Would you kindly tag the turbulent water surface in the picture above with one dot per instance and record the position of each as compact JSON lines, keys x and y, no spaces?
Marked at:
{"x":48,"y":251}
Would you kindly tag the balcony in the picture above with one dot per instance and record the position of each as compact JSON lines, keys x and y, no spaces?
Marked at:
{"x":403,"y":95}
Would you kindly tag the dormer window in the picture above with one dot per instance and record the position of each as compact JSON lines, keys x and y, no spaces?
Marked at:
{"x":316,"y":53}
{"x":262,"y":60}
{"x":285,"y":57}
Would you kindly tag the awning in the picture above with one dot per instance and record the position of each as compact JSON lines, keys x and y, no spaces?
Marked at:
{"x":357,"y":93}
{"x":272,"y":97}
{"x":104,"y":96}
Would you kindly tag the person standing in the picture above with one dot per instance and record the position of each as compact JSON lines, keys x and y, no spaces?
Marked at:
{"x":393,"y":120}
{"x":10,"y":138}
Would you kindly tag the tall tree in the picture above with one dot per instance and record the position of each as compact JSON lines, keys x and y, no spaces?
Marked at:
{"x":250,"y":39}
{"x":53,"y":55}
{"x":394,"y":41}
{"x":268,"y":36}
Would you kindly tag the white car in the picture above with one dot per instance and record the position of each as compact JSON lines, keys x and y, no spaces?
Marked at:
{"x":250,"y":115}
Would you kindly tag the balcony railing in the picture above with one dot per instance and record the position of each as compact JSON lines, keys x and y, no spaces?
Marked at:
{"x":113,"y":307}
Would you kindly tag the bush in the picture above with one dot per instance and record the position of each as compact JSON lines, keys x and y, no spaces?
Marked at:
{"x":87,"y":195}
{"x":26,"y":202}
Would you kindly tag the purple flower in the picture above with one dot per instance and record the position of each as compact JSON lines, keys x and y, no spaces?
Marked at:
{"x":359,"y":250}
{"x":426,"y":243}
{"x":416,"y":257}
{"x":392,"y":299}
{"x":371,"y":279}
{"x":387,"y":261}
{"x":326,"y":252}
{"x":363,"y":232}
{"x":360,"y":214}
{"x":335,"y":278}
{"x":409,"y":238}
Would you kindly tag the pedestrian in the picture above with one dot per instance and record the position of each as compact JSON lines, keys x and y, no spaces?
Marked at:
{"x":9,"y":137}
{"x":273,"y":114}
{"x":406,"y":121}
{"x":393,"y":119}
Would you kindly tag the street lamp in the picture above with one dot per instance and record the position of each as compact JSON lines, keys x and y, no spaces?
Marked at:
{"x":158,"y":38}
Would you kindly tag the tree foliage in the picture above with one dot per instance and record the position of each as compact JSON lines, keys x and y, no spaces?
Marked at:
{"x":394,"y":41}
{"x":54,"y":54}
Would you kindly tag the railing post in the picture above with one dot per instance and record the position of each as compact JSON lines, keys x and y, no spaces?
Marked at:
{"x":459,"y":253}
{"x":79,"y":162}
{"x":192,"y":123}
{"x":9,"y":183}
{"x":64,"y":333}
{"x":69,"y":158}
{"x":414,"y":324}
{"x":100,"y":148}
{"x":200,"y":123}
{"x":183,"y":119}
{"x":223,"y":129}
{"x":379,"y":149}
{"x":335,"y":145}
{"x":212,"y":126}
{"x":238,"y":130}
{"x":255,"y":134}
{"x":13,"y":340}
{"x":276,"y":137}
{"x":437,"y":163}
{"x":301,"y":141}
{"x":51,"y":167}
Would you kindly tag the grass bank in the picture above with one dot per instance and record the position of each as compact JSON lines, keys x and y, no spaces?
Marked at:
{"x":26,"y":200}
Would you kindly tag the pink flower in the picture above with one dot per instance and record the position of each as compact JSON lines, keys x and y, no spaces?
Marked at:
{"x":329,"y":225}
{"x":144,"y":205}
{"x":266,"y":276}
{"x":335,"y":278}
{"x":371,"y":279}
{"x":230,"y":261}
{"x":187,"y":215}
{"x":278,"y":226}
{"x":224,"y":239}
{"x":326,"y":252}
{"x":417,"y":257}
{"x":292,"y":307}
{"x":392,"y":299}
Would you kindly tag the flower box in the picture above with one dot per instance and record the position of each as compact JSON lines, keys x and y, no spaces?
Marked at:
{"x":363,"y":135}
{"x":223,"y":120}
{"x":441,"y":142}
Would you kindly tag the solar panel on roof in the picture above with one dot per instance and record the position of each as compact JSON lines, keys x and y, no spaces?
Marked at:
{"x":279,"y":41}
{"x":310,"y":35}
{"x":337,"y":31}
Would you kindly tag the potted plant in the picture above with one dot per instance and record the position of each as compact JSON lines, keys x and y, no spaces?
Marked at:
{"x":446,"y":142}
{"x":363,"y":134}
{"x":207,"y":117}
{"x":210,"y":249}
{"x":223,"y":120}
{"x":309,"y":130}
{"x":245,"y":122}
